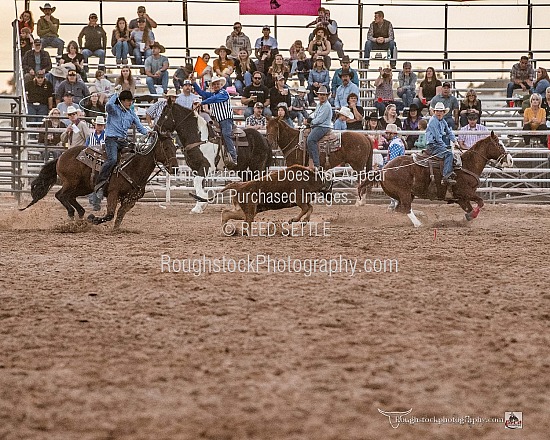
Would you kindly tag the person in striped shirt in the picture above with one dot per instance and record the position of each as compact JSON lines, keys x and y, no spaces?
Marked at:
{"x":465,"y":140}
{"x":395,"y":148}
{"x":96,"y":140}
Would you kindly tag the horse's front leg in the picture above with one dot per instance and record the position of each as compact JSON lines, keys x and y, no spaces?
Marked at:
{"x":112,"y":200}
{"x":473,"y":213}
{"x":125,"y":206}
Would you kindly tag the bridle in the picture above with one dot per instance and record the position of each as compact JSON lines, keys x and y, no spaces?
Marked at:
{"x":498,"y":162}
{"x":176,"y":125}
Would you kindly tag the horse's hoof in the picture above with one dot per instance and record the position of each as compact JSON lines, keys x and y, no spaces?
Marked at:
{"x":91,"y":218}
{"x":468,"y":217}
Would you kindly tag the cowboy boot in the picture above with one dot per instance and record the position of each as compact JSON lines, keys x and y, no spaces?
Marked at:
{"x":212,"y":135}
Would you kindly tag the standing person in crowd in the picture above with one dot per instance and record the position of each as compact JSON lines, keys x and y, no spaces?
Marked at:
{"x":96,"y":140}
{"x":320,"y":45}
{"x":254,"y":93}
{"x":74,"y":85}
{"x":355,"y":123}
{"x":470,"y":104}
{"x":320,"y":122}
{"x":64,"y":106}
{"x":156,"y":69}
{"x":298,"y":109}
{"x":278,"y":67}
{"x":77,"y":130}
{"x":407,"y":84}
{"x":36,"y":61}
{"x":92,"y":106}
{"x":153,"y":113}
{"x":39,"y":97}
{"x":283,"y":114}
{"x":49,"y":137}
{"x":47,"y":29}
{"x":534,"y":118}
{"x":237,"y":40}
{"x":332,"y":28}
{"x":223,"y":66}
{"x":384,"y":91}
{"x":142,"y":14}
{"x":25,"y":41}
{"x":437,"y":135}
{"x":542,"y":81}
{"x":411,"y":124}
{"x":279,"y":93}
{"x":318,"y":76}
{"x":343,"y":115}
{"x":142,"y":39}
{"x":256,"y":120}
{"x":244,"y":68}
{"x":25,"y":21}
{"x":126,"y":80}
{"x":120,"y":41}
{"x":429,"y":87}
{"x":95,"y":42}
{"x":450,"y":102}
{"x":344,"y":90}
{"x":521,"y":77}
{"x":265,"y":48}
{"x":74,"y":57}
{"x":467,"y":140}
{"x":380,"y":37}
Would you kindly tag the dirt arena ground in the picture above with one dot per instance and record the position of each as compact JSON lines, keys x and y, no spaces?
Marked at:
{"x":98,"y":343}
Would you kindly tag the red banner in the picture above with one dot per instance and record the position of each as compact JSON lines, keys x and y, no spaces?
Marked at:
{"x":279,"y":7}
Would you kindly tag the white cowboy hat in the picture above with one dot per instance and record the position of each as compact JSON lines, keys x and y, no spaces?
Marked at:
{"x":100,"y":120}
{"x":440,"y":107}
{"x":302,"y":89}
{"x":346,"y":112}
{"x":391,"y":128}
{"x":171,"y":92}
{"x":71,"y":109}
{"x":216,"y":78}
{"x":59,"y":72}
{"x":322,"y":91}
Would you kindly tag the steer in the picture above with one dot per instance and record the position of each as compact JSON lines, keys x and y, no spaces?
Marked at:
{"x":293,"y":186}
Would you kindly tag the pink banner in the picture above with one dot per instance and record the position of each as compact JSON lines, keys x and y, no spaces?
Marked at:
{"x":279,"y":7}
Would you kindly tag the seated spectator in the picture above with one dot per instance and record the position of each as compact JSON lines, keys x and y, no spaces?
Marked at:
{"x":465,"y":139}
{"x":181,"y":74}
{"x":74,"y":85}
{"x":343,"y":90}
{"x":74,"y":57}
{"x":223,"y":66}
{"x":256,"y":92}
{"x":301,"y":67}
{"x":546,"y":104}
{"x":25,"y":21}
{"x":429,"y":87}
{"x":47,"y":29}
{"x":283,"y":114}
{"x":320,"y":45}
{"x":95,"y":43}
{"x":345,"y":62}
{"x":244,"y":69}
{"x":141,"y":40}
{"x":534,"y":118}
{"x":279,"y":93}
{"x":36,"y":61}
{"x":298,"y":109}
{"x":93,"y":106}
{"x":383,"y":95}
{"x":380,"y":37}
{"x":64,"y":105}
{"x":295,"y":47}
{"x":126,"y":80}
{"x":39,"y":97}
{"x":421,"y":143}
{"x":542,"y":82}
{"x":102,"y":85}
{"x":187,"y":98}
{"x":320,"y":20}
{"x":332,"y":28}
{"x":26,"y":41}
{"x":77,"y":130}
{"x":373,"y":124}
{"x":278,"y":67}
{"x":450,"y":102}
{"x":521,"y":77}
{"x":205,"y":75}
{"x":156,"y":69}
{"x":344,"y":115}
{"x":318,"y":76}
{"x":411,"y":123}
{"x":142,"y":14}
{"x":50,"y":138}
{"x":355,"y":123}
{"x":256,"y":120}
{"x":265,"y":48}
{"x":237,"y":40}
{"x":120,"y":41}
{"x":407,"y":84}
{"x":58,"y":74}
{"x":470,"y":105}
{"x":390,"y":117}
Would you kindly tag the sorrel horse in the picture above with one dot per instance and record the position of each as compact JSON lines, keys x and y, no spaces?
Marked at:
{"x":403,"y":179}
{"x":356,"y":149}
{"x":125,"y":187}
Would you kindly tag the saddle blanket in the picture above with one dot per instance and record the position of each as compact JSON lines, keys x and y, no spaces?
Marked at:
{"x":423,"y":159}
{"x":92,"y":158}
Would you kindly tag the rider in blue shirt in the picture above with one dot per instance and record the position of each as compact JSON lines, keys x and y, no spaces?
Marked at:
{"x":321,"y":123}
{"x":436,"y":130}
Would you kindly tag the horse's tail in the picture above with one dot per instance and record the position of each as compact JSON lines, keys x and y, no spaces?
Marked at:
{"x":43,"y":183}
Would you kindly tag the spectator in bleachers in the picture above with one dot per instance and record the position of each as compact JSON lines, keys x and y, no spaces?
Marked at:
{"x":465,"y":140}
{"x":345,"y":62}
{"x":142,"y":14}
{"x":102,"y":85}
{"x":356,"y":123}
{"x":74,"y":85}
{"x":256,"y":120}
{"x":244,"y":69}
{"x":278,"y":67}
{"x":223,"y":66}
{"x":542,"y":82}
{"x":320,"y":45}
{"x":407,"y":84}
{"x":343,"y":115}
{"x":470,"y":105}
{"x":390,"y":117}
{"x":320,"y":20}
{"x":65,"y":104}
{"x":534,"y":118}
{"x":318,"y":76}
{"x":420,"y":143}
{"x":295,"y":47}
{"x":283,"y":114}
{"x":186,"y":98}
{"x":57,"y":75}
{"x":126,"y":80}
{"x":52,"y":138}
{"x":39,"y":97}
{"x":332,"y":28}
{"x":546,"y":104}
{"x":429,"y":87}
{"x":95,"y":42}
{"x":301,"y":67}
{"x":343,"y":90}
{"x":120,"y":41}
{"x":373,"y":124}
{"x":265,"y":48}
{"x":77,"y":130}
{"x":25,"y":41}
{"x":521,"y":77}
{"x":156,"y":69}
{"x":93,"y":106}
{"x":256,"y":92}
{"x":206,"y":74}
{"x":74,"y":57}
{"x":181,"y":74}
{"x":237,"y":40}
{"x":383,"y":94}
{"x":380,"y":37}
{"x":279,"y":93}
{"x":153,"y":113}
{"x":298,"y":109}
{"x":36,"y":61}
{"x":47,"y":29}
{"x":411,"y":123}
{"x":450,"y":102}
{"x":141,"y":40}
{"x":25,"y":21}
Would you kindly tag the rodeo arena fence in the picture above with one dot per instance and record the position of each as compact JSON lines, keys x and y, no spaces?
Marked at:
{"x":464,"y":62}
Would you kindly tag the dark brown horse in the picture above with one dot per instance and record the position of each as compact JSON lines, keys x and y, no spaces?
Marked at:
{"x":403,"y":179}
{"x":356,"y":149}
{"x":125,"y":187}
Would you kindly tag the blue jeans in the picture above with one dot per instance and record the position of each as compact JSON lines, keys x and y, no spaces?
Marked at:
{"x":100,"y":53}
{"x":247,"y":81}
{"x":227,"y":127}
{"x":53,"y":42}
{"x":140,"y":58}
{"x":162,"y":81}
{"x":407,"y":95}
{"x":312,"y":140}
{"x":38,"y":110}
{"x":94,"y":200}
{"x":121,"y":50}
{"x":112,"y":145}
{"x":369,"y":46}
{"x":445,"y":154}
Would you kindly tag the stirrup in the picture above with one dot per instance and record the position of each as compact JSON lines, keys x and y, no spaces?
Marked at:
{"x":99,"y":186}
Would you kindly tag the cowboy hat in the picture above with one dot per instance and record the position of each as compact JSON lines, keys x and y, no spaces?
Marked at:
{"x":171,"y":92}
{"x":222,"y":47}
{"x":126,"y":95}
{"x":346,"y":72}
{"x":440,"y":107}
{"x":217,"y":78}
{"x":322,"y":91}
{"x":391,"y":128}
{"x":346,"y":112}
{"x":345,"y":59}
{"x":47,"y":6}
{"x":160,"y":46}
{"x":71,"y":109}
{"x":100,"y":120}
{"x":59,"y":71}
{"x":302,"y":89}
{"x":68,"y":66}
